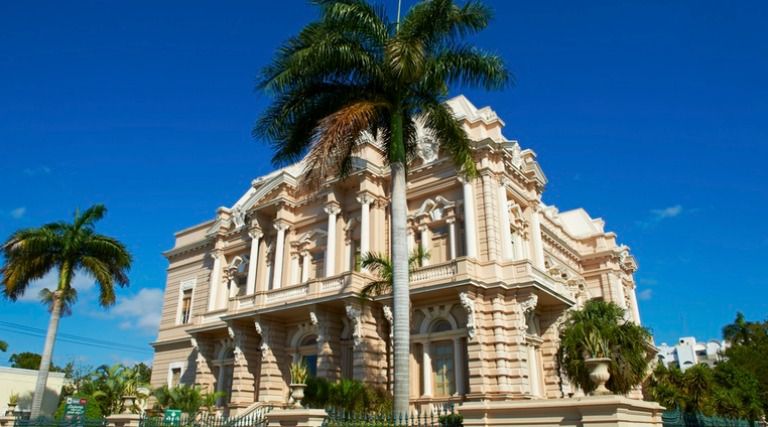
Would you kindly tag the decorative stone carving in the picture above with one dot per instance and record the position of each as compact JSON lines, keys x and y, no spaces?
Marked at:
{"x":313,"y":318}
{"x":427,"y":146}
{"x":238,"y":217}
{"x":263,"y":332}
{"x":529,"y":304}
{"x":355,"y":315}
{"x":469,"y":305}
{"x":390,"y":319}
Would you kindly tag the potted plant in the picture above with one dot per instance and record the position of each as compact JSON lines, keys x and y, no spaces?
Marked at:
{"x":601,"y":352}
{"x":299,"y":374}
{"x":13,"y":400}
{"x":597,"y":361}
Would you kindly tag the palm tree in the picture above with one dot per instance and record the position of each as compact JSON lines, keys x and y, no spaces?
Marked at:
{"x":599,"y":330}
{"x":69,"y":248}
{"x":381,"y":266}
{"x":738,"y":332}
{"x":3,"y":346}
{"x":354,"y":70}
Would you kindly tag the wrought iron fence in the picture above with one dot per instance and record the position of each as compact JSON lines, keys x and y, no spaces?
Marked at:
{"x":439,"y":417}
{"x":65,"y":422}
{"x":256,"y":419}
{"x":682,"y":419}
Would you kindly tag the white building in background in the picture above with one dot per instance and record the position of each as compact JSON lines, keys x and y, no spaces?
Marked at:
{"x":687,"y":352}
{"x":22,"y":382}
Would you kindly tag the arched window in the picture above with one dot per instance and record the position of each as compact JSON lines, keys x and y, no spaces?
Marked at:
{"x":307,"y":352}
{"x":224,"y":369}
{"x":441,"y":354}
{"x":441,"y":325}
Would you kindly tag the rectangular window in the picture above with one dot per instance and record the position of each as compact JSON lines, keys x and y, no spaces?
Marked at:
{"x":175,"y":377}
{"x":186,"y":306}
{"x":444,"y":378}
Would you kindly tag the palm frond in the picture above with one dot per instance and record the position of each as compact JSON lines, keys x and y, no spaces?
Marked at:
{"x":452,"y":137}
{"x":335,"y":139}
{"x":68,"y":296}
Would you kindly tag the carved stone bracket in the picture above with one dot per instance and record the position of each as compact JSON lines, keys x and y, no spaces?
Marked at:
{"x":469,"y":305}
{"x":263,"y":332}
{"x":390,"y":319}
{"x":355,"y":315}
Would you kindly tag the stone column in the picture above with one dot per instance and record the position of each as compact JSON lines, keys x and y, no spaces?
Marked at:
{"x":426,"y":242}
{"x":213,"y":287}
{"x":458,"y":365}
{"x":411,"y":240}
{"x":306,"y":258}
{"x":533,"y":371}
{"x":452,"y":237}
{"x":294,"y":269}
{"x":330,"y":249}
{"x":537,"y":247}
{"x":277,"y":280}
{"x":426,"y":370}
{"x":500,"y":346}
{"x":253,"y":261}
{"x":491,"y":239}
{"x":470,"y":225}
{"x":506,"y":234}
{"x":633,"y":301}
{"x":365,"y":223}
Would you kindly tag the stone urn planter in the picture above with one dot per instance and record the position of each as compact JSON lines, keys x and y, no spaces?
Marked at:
{"x":297,"y":393}
{"x":10,"y":410}
{"x":129,"y":401}
{"x":599,"y":374}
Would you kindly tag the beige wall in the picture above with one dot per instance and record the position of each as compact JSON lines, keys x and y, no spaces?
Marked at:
{"x":22,"y":381}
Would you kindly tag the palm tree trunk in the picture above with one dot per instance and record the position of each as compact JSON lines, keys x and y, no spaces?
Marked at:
{"x":45,"y":360}
{"x":399,"y":239}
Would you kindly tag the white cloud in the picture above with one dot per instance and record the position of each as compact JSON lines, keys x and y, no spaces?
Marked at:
{"x":81,"y":282}
{"x":39,"y":170}
{"x":668,"y":212}
{"x":18,"y":213}
{"x":140,"y":311}
{"x":645,"y":294}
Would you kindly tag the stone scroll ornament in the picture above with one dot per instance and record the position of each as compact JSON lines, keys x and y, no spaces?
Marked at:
{"x":526,"y":307}
{"x":469,"y":305}
{"x":355,"y":315}
{"x":263,"y":333}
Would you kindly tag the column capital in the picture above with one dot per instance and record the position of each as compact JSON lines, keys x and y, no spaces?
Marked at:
{"x":464,"y":180}
{"x":255,"y":233}
{"x":281,"y":225}
{"x":332,"y":208}
{"x":365,"y":198}
{"x":450,"y":220}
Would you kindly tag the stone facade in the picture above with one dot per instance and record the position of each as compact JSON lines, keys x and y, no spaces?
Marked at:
{"x":275,"y":278}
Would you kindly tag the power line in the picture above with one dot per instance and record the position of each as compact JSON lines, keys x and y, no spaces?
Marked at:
{"x":70,"y":338}
{"x":65,"y":335}
{"x":71,"y":341}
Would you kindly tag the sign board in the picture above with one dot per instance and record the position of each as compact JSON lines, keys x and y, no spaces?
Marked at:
{"x":75,"y":410}
{"x":172,"y":417}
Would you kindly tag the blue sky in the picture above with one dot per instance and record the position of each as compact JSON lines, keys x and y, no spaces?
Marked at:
{"x":650,"y":114}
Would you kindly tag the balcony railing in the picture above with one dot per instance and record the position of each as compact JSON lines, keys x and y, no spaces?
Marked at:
{"x":351,"y":282}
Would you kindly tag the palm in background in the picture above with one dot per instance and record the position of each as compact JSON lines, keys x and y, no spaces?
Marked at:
{"x":381,"y":266}
{"x":68,"y":248}
{"x":354,"y":71}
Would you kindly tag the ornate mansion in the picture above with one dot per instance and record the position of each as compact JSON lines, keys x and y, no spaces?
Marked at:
{"x":276,"y":278}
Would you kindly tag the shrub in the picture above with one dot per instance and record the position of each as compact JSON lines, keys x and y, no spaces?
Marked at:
{"x":92,"y":409}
